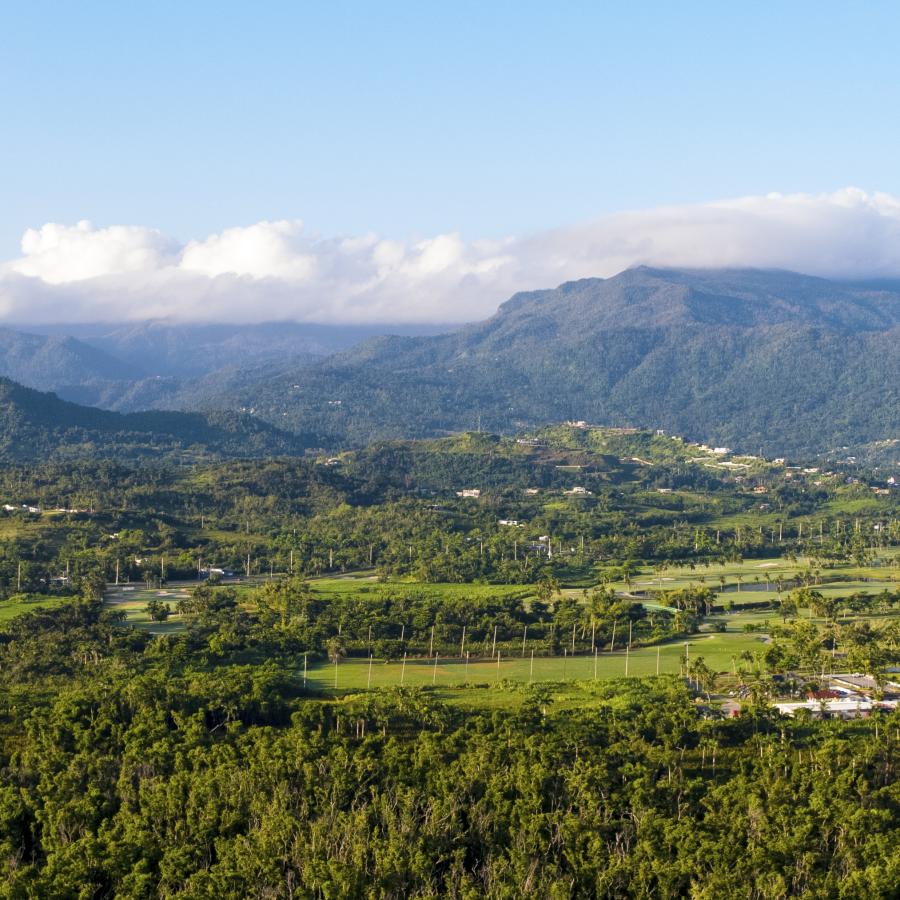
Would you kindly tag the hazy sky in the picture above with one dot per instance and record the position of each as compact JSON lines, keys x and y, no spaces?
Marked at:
{"x":418,"y":132}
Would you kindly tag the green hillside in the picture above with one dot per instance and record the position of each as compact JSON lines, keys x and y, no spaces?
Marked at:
{"x":39,"y":426}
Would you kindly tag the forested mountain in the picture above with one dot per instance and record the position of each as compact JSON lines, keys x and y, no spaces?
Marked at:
{"x":57,"y":361}
{"x":169,"y":365}
{"x":759,"y":360}
{"x":756,"y":359}
{"x":35,"y":425}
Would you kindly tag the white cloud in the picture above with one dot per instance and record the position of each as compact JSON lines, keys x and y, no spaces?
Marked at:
{"x":58,"y":254}
{"x":278,"y":270}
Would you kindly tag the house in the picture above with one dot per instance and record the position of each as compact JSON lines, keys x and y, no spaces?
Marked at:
{"x":213,"y":570}
{"x":845,"y":708}
{"x":531,"y":491}
{"x":512,"y":523}
{"x":469,"y":492}
{"x":580,"y":491}
{"x":862,"y":683}
{"x":721,"y":451}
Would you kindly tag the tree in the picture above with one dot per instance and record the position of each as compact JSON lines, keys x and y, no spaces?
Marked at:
{"x":158,"y":610}
{"x":336,"y":648}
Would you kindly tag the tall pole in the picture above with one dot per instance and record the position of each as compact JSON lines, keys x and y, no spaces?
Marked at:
{"x":524,"y":638}
{"x":304,"y":671}
{"x":369,"y":679}
{"x":612,"y":643}
{"x":657,"y":659}
{"x":403,"y":670}
{"x":431,"y":642}
{"x":462,"y":645}
{"x":494,"y":647}
{"x":117,"y":571}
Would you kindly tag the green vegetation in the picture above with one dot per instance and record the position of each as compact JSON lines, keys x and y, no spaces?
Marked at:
{"x":435,"y":669}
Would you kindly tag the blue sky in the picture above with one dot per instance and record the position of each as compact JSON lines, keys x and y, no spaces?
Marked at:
{"x":414,"y":118}
{"x":411,"y":120}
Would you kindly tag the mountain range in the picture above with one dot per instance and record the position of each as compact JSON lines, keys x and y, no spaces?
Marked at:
{"x":770,"y":361}
{"x":760,"y":360}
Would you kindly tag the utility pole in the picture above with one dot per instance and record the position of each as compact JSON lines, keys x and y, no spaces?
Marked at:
{"x":524,"y":639}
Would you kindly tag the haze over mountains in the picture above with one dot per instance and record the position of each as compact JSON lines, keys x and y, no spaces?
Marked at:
{"x":755,"y":359}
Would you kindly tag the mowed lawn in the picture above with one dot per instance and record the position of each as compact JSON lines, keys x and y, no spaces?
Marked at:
{"x":717,"y":650}
{"x":10,"y":609}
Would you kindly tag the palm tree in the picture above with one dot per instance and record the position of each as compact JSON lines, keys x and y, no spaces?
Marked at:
{"x":336,"y":648}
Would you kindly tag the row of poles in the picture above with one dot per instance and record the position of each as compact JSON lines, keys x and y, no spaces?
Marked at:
{"x":467,"y":660}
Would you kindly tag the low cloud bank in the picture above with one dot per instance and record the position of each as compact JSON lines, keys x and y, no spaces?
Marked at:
{"x":280,"y":270}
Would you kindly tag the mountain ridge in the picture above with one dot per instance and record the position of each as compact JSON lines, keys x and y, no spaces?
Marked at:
{"x":758,"y":358}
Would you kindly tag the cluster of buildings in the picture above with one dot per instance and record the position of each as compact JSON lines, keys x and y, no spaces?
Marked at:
{"x":847,"y":696}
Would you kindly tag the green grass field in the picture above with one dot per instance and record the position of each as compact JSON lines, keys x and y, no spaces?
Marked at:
{"x":366,"y":583}
{"x":717,"y":651}
{"x":9,"y":609}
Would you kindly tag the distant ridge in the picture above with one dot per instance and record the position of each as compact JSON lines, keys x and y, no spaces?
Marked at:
{"x":766,"y":360}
